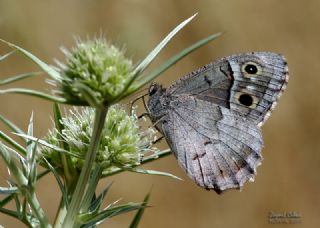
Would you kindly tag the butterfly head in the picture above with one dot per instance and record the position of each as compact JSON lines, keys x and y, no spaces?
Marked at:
{"x":155,"y":105}
{"x":155,"y":89}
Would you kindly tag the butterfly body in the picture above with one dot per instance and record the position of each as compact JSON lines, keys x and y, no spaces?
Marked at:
{"x":211,"y":117}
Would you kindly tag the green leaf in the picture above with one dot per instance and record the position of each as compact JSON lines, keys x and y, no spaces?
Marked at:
{"x":68,"y":168}
{"x":10,"y":213}
{"x":89,"y":219}
{"x":10,"y":154}
{"x":24,"y":208}
{"x":59,"y":126}
{"x":34,"y":93}
{"x":53,"y":147}
{"x":12,"y":166}
{"x":157,"y":155}
{"x":11,"y":125}
{"x":3,"y":57}
{"x":151,"y":56}
{"x":19,"y":206}
{"x":167,"y":64}
{"x":9,"y":190}
{"x":153,"y":172}
{"x":48,"y":69}
{"x":30,"y":143}
{"x":31,"y":155}
{"x":18,"y":77}
{"x":137,"y":218}
{"x":14,"y":214}
{"x":59,"y":181}
{"x":13,"y":143}
{"x":96,"y":204}
{"x":6,"y":200}
{"x":42,"y":174}
{"x":92,"y":183}
{"x":33,"y":166}
{"x":150,"y":158}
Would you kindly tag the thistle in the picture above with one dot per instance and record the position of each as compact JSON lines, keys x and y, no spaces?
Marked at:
{"x":123,"y":144}
{"x":97,"y":66}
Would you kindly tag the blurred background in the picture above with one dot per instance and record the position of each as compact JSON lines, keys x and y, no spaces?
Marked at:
{"x":287,"y":181}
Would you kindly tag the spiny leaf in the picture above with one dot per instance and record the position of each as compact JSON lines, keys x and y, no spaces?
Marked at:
{"x":18,"y":77}
{"x":9,"y":190}
{"x":59,"y":181}
{"x":6,"y":200}
{"x":153,"y":172}
{"x":33,"y":166}
{"x":48,"y":69}
{"x":12,"y":166}
{"x":68,"y":168}
{"x":13,"y":143}
{"x":151,"y":56}
{"x":11,"y":125}
{"x":3,"y":57}
{"x":10,"y":213}
{"x":53,"y":147}
{"x":137,"y":218}
{"x":95,"y":219}
{"x":93,"y":182}
{"x":34,"y":93}
{"x":30,"y":143}
{"x":95,"y":205}
{"x":156,"y":156}
{"x":167,"y":64}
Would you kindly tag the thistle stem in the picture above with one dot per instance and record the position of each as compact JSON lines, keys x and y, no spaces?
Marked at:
{"x":60,"y":215}
{"x":37,"y":210}
{"x":81,"y":187}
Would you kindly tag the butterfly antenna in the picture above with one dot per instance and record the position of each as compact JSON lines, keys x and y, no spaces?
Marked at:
{"x":145,"y":104}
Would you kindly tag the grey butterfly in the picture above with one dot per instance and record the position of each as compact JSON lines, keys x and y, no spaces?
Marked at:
{"x":211,"y":117}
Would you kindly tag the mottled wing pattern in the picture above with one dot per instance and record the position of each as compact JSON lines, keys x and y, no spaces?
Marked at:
{"x":217,"y":149}
{"x":211,"y":82}
{"x":264,"y":85}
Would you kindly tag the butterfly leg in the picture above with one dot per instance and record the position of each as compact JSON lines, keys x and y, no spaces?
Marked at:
{"x":157,"y":140}
{"x":137,"y":99}
{"x":144,"y":114}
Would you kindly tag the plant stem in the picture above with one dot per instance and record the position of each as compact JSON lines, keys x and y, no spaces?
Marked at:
{"x":37,"y":210}
{"x":77,"y":198}
{"x":60,"y":215}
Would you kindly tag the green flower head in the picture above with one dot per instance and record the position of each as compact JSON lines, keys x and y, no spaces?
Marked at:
{"x":95,"y":66}
{"x":122,"y":144}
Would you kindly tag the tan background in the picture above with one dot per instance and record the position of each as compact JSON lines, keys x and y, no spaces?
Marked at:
{"x":287,"y":181}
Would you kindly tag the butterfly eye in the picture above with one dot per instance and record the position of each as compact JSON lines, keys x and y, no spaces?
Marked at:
{"x":250,"y":68}
{"x":153,"y":89}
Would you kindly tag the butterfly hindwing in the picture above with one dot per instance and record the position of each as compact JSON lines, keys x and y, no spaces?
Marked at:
{"x":217,"y":149}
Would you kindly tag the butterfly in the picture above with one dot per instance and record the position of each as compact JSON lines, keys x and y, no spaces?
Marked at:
{"x":211,"y":117}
